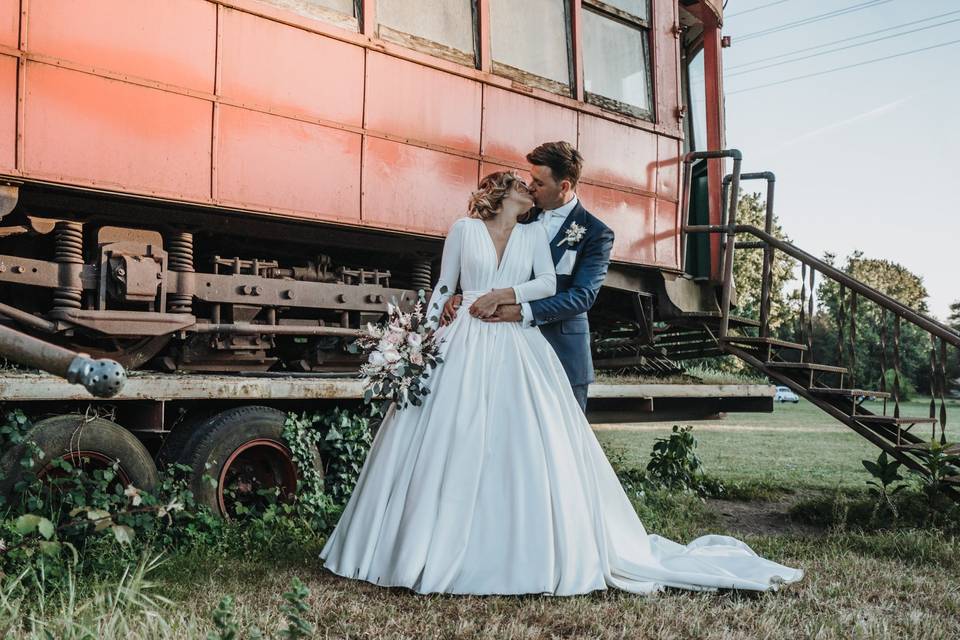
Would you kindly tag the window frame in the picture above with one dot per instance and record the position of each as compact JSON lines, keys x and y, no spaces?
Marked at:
{"x":645,"y":30}
{"x":432,"y":47}
{"x":530,"y":79}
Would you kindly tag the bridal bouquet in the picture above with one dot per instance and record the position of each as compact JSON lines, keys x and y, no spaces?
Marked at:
{"x":399,"y":353}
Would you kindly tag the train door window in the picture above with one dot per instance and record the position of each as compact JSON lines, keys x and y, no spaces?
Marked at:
{"x":342,"y":13}
{"x":530,"y":42}
{"x":697,"y":103}
{"x":616,"y":56}
{"x":442,"y":28}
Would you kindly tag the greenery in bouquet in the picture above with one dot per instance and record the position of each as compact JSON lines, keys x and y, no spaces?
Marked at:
{"x":399,"y":353}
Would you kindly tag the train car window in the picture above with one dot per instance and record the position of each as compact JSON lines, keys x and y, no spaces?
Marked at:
{"x":342,"y":13}
{"x":443,"y":28}
{"x":530,"y":42}
{"x":698,"y":103}
{"x":637,"y":8}
{"x":616,"y":58}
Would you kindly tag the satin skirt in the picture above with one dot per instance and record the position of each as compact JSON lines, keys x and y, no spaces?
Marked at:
{"x":498,"y":485}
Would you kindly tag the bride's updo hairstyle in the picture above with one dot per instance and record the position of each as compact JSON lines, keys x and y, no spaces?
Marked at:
{"x":486,"y":200}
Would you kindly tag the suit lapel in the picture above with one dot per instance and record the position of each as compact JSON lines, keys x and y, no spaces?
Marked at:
{"x":556,"y":246}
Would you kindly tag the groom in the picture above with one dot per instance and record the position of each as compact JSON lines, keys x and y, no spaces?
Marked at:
{"x":580,"y":246}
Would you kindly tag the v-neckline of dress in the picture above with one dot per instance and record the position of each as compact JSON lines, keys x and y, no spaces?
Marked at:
{"x":493,"y":246}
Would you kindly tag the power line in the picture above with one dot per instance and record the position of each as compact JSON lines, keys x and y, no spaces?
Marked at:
{"x":849,"y":46}
{"x":812,"y":19}
{"x":763,"y":6}
{"x":849,"y":66}
{"x":842,"y":40}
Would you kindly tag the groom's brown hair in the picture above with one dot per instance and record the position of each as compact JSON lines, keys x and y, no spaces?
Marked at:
{"x":564,"y":160}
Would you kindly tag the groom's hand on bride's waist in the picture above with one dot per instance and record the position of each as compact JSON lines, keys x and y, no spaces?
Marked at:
{"x":505,"y":313}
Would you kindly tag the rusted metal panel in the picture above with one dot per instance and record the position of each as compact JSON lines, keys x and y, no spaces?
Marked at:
{"x":667,"y":243}
{"x":513,"y":124}
{"x":668,"y":168}
{"x":666,"y":62}
{"x":410,"y":101}
{"x":173,"y":41}
{"x":631,"y":217}
{"x":275,"y":162}
{"x":411,"y":188}
{"x":10,"y":23}
{"x":278,"y":66}
{"x":115,"y":135}
{"x":487,"y":168}
{"x":618,"y":154}
{"x":8,"y":113}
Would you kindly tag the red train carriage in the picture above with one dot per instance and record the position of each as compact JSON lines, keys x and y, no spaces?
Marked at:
{"x":236,"y":185}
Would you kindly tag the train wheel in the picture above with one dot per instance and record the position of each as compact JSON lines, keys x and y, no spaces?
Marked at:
{"x":244,"y":451}
{"x":89,"y":444}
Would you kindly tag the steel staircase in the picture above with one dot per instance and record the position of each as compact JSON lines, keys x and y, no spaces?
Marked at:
{"x":830,"y":386}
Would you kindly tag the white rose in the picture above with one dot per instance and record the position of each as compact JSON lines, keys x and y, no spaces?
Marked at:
{"x":415,"y":340}
{"x":377,"y":359}
{"x":391,"y":355}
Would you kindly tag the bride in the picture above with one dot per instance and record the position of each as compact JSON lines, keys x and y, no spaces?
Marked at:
{"x":496,"y":484}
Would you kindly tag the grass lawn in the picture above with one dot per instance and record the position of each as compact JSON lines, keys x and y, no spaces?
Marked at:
{"x":893,"y":584}
{"x":794,"y":448}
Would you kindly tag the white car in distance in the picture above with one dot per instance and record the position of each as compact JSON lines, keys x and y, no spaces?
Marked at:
{"x":784,"y":394}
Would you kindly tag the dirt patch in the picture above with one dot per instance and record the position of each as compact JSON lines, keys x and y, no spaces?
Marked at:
{"x":768,"y":518}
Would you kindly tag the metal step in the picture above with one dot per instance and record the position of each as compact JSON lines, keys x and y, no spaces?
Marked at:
{"x":875,"y":419}
{"x":848,"y":393}
{"x":775,"y":342}
{"x":806,"y":366}
{"x":715,"y":315}
{"x":951,"y":450}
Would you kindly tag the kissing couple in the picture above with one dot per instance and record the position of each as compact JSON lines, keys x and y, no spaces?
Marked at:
{"x":496,"y":483}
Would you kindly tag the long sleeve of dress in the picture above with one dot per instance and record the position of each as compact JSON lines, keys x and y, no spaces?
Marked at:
{"x":449,"y":272}
{"x":544,"y":283}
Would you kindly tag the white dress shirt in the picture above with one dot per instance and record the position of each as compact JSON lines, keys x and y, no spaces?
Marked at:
{"x":552,"y":220}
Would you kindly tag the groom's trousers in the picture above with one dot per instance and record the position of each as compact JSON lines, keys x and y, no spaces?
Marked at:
{"x":580,"y":393}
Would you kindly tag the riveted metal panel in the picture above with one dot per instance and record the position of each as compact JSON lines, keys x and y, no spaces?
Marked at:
{"x":415,"y":189}
{"x":667,"y":234}
{"x":173,"y":41}
{"x":513,"y":124}
{"x":8,"y":112}
{"x":618,"y":154}
{"x":487,"y":168}
{"x":281,"y":163}
{"x":278,"y":66}
{"x":411,"y":101}
{"x":10,"y":23}
{"x":630,"y":216}
{"x":115,"y":135}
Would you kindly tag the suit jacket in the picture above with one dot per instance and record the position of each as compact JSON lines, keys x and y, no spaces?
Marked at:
{"x":562,"y":318}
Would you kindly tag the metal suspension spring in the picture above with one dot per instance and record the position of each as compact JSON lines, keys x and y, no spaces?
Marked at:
{"x":180,"y":258}
{"x":420,"y":276}
{"x":68,"y":249}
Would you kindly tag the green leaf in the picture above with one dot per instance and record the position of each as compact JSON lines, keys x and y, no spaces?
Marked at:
{"x":123,"y":533}
{"x":50,"y":549}
{"x":27,"y":524}
{"x":45,"y":527}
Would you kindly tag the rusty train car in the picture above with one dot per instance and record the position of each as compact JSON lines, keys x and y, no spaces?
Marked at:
{"x":236,"y":185}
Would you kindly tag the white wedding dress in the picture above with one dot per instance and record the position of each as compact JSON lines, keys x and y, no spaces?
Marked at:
{"x":497,"y":484}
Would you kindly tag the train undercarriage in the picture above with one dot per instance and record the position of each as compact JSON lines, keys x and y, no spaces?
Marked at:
{"x":174,"y":289}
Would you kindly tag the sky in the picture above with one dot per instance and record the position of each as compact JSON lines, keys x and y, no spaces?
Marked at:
{"x":866,"y":158}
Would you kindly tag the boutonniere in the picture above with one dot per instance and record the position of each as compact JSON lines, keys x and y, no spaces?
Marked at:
{"x":574,"y":234}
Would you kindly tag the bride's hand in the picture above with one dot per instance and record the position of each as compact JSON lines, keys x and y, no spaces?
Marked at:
{"x":486,"y":305}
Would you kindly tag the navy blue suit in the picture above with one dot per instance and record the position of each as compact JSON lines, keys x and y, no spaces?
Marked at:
{"x":562,"y":318}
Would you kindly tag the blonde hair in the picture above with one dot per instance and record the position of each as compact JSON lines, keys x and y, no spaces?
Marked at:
{"x":487,"y":199}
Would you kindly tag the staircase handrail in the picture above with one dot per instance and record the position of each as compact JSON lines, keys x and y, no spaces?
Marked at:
{"x":929,"y":324}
